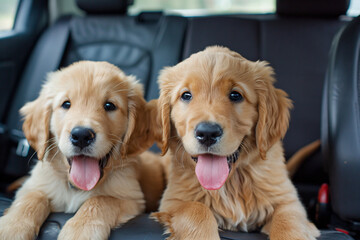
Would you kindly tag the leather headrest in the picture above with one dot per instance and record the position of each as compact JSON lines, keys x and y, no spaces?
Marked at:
{"x":320,"y":8}
{"x":104,"y":6}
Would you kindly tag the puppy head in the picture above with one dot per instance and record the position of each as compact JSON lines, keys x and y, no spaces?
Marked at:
{"x":86,"y":113}
{"x":220,"y":105}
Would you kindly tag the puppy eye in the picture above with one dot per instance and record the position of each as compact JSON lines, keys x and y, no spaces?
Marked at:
{"x":186,"y":96}
{"x":235,"y":96}
{"x":66,"y":105}
{"x":109,"y":106}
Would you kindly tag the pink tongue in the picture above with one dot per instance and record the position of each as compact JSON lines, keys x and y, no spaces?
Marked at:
{"x":85,"y":172}
{"x":212,"y":171}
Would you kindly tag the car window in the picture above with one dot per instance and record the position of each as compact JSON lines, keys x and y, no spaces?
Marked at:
{"x":7,"y":13}
{"x":354,"y":8}
{"x":198,"y":7}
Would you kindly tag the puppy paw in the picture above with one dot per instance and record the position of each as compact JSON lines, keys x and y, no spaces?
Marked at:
{"x":300,"y":231}
{"x":80,"y":230}
{"x":306,"y":231}
{"x":313,"y":231}
{"x":15,"y":229}
{"x":180,"y":230}
{"x":164,"y":218}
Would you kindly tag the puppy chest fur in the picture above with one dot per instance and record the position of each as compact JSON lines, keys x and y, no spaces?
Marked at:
{"x":65,"y":198}
{"x":62,"y":197}
{"x":241,"y":204}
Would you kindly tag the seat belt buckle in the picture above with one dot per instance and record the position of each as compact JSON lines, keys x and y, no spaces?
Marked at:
{"x":23,"y":148}
{"x":323,"y":211}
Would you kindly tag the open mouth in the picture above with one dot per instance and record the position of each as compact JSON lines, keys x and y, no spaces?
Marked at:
{"x":85,"y":171}
{"x":230,"y":159}
{"x":213,"y":170}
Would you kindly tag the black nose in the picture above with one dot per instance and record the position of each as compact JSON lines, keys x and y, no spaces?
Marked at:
{"x":82,"y":137}
{"x":208,"y":133}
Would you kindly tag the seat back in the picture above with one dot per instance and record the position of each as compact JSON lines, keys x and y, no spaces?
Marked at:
{"x":341,"y":123}
{"x":140,"y":45}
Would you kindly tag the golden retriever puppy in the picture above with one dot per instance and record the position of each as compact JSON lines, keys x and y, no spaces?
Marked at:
{"x":87,"y":118}
{"x":223,"y":121}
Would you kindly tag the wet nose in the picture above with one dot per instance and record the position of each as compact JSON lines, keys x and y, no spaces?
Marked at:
{"x":208,"y":133}
{"x":82,"y":137}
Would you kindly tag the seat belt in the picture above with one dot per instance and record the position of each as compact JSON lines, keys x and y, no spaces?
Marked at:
{"x":46,"y":57}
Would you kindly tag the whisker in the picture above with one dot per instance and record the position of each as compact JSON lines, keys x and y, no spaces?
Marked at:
{"x":46,"y":150}
{"x":50,"y":146}
{"x":54,"y":156}
{"x":51,"y":149}
{"x":31,"y":157}
{"x":245,"y":147}
{"x":49,"y":140}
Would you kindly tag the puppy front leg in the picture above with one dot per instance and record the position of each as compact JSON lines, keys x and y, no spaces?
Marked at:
{"x":188,"y":221}
{"x":289,"y":222}
{"x":97,"y":216}
{"x":25,"y":216}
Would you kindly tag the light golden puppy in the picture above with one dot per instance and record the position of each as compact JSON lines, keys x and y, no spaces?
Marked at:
{"x":88,"y":117}
{"x":223,"y":121}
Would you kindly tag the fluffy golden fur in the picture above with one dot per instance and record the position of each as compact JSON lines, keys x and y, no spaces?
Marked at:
{"x":258,"y":192}
{"x":121,"y":134}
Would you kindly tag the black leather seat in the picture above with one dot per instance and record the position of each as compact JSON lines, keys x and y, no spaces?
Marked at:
{"x":142,"y":228}
{"x":340,"y":125}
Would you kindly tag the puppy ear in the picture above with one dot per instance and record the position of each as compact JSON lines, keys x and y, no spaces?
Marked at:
{"x":143,"y":125}
{"x":135,"y":103}
{"x":164,"y":106}
{"x":274,"y":112}
{"x":36,"y":126}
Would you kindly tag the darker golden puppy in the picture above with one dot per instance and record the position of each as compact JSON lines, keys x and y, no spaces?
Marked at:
{"x":223,"y":121}
{"x":85,"y":121}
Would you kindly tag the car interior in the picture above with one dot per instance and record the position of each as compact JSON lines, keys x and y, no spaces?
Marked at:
{"x":312,"y":45}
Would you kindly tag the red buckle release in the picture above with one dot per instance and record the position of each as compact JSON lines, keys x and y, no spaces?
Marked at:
{"x":323,"y":196}
{"x":342,"y":230}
